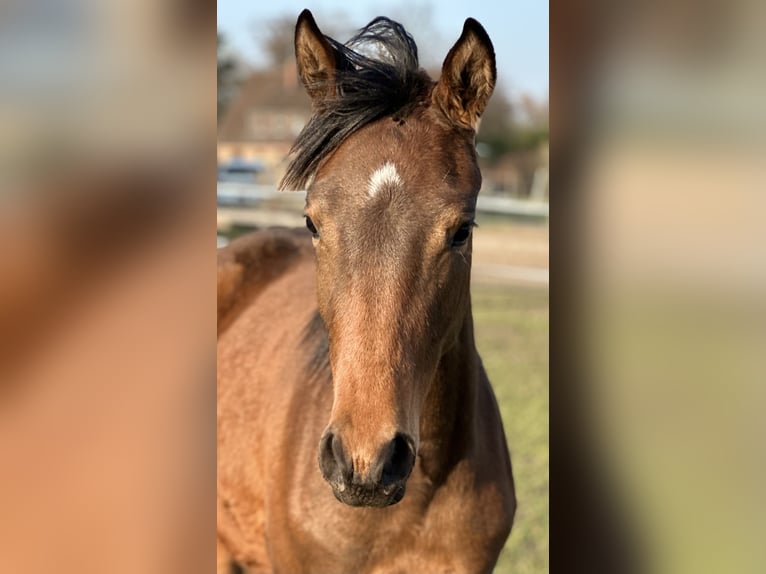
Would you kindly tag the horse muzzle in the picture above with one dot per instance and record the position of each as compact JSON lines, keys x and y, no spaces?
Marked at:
{"x":365,"y":495}
{"x":384,"y":482}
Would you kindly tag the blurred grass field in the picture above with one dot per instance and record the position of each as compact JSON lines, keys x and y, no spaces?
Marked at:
{"x":511,"y":324}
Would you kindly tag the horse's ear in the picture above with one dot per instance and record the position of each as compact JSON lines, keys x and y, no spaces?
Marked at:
{"x":468,"y":77}
{"x":316,"y":58}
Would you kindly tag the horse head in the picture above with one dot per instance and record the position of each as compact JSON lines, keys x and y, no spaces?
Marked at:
{"x":390,"y":165}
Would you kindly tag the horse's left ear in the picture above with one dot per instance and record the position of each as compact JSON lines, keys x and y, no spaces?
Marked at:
{"x":468,"y":77}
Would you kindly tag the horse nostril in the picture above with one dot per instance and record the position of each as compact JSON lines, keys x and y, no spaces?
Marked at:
{"x":400,"y":461}
{"x":332,"y":459}
{"x":327,"y":462}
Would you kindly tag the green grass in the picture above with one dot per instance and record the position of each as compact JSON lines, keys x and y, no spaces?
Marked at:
{"x":511,"y":326}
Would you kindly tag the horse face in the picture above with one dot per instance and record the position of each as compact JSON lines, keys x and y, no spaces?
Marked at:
{"x":392,"y":214}
{"x":391,"y":210}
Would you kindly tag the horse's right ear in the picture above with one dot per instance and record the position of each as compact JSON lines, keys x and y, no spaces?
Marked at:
{"x":316,"y":58}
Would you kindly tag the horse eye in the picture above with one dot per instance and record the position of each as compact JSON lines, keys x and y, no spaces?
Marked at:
{"x":461,"y":235}
{"x":311,"y":227}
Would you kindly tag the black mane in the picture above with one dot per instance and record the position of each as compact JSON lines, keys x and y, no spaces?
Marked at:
{"x":386,"y":82}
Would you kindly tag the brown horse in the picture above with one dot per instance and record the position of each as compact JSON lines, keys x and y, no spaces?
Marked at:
{"x":359,"y":351}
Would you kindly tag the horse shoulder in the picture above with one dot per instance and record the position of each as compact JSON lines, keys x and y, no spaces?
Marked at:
{"x":265,"y":296}
{"x":250,"y":262}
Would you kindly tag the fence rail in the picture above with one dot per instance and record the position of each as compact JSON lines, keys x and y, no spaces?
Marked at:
{"x":232,"y":194}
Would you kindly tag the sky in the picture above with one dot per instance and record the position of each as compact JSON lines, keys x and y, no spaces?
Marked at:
{"x":518,"y":30}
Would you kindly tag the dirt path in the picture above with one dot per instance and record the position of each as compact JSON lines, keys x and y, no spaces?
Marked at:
{"x":511,"y":253}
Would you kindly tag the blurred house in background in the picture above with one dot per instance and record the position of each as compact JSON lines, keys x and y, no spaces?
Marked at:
{"x":262,"y":111}
{"x":262,"y":121}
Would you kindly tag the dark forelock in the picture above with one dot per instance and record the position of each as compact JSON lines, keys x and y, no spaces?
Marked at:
{"x":378,"y":75}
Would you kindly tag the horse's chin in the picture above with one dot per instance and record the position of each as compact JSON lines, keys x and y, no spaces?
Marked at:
{"x":362,"y":496}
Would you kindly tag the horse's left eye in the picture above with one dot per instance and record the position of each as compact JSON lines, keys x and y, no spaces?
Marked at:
{"x":461,"y":235}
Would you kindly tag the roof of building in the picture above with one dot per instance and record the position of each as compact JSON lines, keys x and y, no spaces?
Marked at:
{"x":271,"y":105}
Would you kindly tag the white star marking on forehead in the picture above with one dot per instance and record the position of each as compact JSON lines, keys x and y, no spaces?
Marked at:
{"x":385,"y":175}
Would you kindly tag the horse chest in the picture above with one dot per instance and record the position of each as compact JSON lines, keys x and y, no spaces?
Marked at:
{"x":453,"y":531}
{"x":436,"y":546}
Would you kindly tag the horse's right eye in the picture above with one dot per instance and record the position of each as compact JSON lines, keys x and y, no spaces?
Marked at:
{"x":311,"y":227}
{"x":461,"y":235}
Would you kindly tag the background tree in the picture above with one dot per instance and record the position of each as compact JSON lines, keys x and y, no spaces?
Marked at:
{"x":512,"y":126}
{"x":496,"y":130}
{"x":228,"y":71}
{"x":276,"y":36}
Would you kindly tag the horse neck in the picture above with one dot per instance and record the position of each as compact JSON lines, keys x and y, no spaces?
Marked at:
{"x":447,"y":420}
